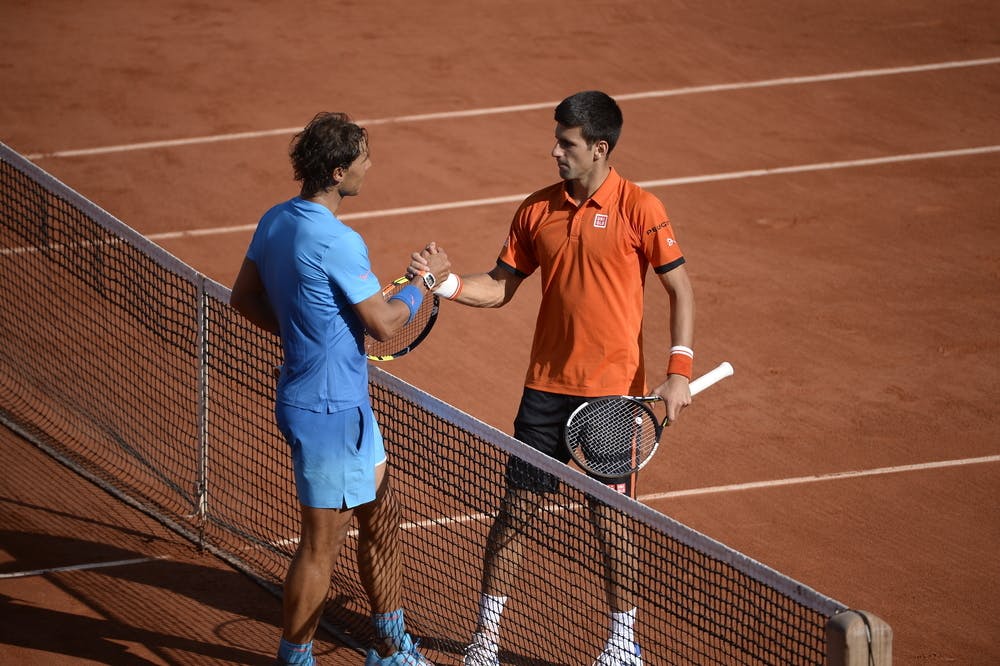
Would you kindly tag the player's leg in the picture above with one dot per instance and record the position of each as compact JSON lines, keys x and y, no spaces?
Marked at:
{"x":505,"y":543}
{"x":316,"y":442}
{"x":379,"y":558}
{"x":380,"y":566}
{"x":539,"y":423}
{"x":501,"y":564}
{"x":308,"y":580}
{"x":618,"y":554}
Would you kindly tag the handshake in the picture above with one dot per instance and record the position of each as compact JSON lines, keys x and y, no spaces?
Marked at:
{"x":432,"y":266}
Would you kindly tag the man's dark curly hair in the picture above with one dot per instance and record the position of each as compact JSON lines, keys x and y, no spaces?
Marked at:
{"x":330,"y":140}
{"x":595,"y":113}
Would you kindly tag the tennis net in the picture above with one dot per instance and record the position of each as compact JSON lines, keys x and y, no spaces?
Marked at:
{"x":130,"y":367}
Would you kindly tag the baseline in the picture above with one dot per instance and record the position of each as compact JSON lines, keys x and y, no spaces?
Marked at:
{"x":535,"y":106}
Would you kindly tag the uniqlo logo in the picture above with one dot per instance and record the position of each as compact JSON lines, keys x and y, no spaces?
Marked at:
{"x":600,"y":221}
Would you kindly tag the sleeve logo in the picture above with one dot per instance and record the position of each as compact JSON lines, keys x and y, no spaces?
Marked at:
{"x":659,"y":226}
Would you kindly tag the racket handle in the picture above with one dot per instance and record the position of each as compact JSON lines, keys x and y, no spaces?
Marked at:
{"x":711,"y":377}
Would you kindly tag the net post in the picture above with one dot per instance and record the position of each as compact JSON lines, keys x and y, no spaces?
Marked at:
{"x":202,"y":352}
{"x":858,"y":638}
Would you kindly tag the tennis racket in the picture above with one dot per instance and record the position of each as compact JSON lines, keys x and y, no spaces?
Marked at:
{"x":615,"y":437}
{"x":411,"y":334}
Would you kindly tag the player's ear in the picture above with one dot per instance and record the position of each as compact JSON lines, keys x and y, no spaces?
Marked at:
{"x":338,"y":174}
{"x":601,"y":150}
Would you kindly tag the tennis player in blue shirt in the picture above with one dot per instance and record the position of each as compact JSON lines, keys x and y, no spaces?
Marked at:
{"x":307,"y":278}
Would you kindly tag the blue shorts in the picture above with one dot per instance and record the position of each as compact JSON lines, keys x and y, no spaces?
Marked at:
{"x":334,"y":455}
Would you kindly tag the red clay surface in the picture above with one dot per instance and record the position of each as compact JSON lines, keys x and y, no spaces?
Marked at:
{"x":857,"y":302}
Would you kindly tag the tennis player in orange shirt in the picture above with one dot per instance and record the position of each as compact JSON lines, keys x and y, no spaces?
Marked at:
{"x":593,"y":236}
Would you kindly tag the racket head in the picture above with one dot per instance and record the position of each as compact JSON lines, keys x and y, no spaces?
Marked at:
{"x":614,"y":437}
{"x":411,"y":334}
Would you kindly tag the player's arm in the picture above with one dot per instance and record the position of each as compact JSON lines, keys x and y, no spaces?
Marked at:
{"x":674,"y":390}
{"x":480,"y":290}
{"x":488,"y":290}
{"x":383,"y":318}
{"x":249,"y":298}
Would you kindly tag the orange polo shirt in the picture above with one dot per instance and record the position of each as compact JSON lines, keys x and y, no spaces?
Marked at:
{"x":593,"y":260}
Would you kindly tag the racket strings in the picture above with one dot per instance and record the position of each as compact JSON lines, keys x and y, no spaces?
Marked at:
{"x":411,"y":332}
{"x":612,"y":438}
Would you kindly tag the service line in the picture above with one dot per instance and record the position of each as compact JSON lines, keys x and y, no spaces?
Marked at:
{"x":648,"y":184}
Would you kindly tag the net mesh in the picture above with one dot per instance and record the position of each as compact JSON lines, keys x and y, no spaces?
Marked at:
{"x":131,"y":368}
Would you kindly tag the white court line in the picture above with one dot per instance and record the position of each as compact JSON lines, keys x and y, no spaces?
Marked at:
{"x":833,"y":476}
{"x":82,"y":567}
{"x":666,"y":182}
{"x":497,"y":110}
{"x":711,"y":490}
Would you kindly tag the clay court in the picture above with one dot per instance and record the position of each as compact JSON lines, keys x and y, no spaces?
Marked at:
{"x":831,"y":170}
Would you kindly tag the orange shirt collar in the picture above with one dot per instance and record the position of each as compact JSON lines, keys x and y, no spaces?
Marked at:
{"x":604,"y":194}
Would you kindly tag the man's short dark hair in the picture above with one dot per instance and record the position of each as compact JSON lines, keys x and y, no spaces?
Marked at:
{"x":330,"y":140}
{"x":595,"y":113}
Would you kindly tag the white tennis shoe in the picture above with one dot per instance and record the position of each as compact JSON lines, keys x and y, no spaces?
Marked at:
{"x":616,"y":654}
{"x":481,"y":652}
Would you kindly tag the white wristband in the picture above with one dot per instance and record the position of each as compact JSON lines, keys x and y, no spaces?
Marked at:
{"x":682,"y":350}
{"x":450,"y":288}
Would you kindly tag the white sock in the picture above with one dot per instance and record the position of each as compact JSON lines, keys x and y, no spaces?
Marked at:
{"x":623,"y":628}
{"x":490,"y":610}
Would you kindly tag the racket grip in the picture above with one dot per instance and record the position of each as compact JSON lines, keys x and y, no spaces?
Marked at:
{"x":711,"y":377}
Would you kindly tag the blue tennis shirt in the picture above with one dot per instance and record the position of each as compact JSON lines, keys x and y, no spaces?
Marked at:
{"x":314,"y":267}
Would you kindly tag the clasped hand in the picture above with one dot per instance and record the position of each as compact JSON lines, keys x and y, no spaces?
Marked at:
{"x":432,"y":259}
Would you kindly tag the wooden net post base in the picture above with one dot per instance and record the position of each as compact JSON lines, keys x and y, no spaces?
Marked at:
{"x":858,"y":638}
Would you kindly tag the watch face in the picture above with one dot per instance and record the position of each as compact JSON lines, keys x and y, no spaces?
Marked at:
{"x":429,"y":280}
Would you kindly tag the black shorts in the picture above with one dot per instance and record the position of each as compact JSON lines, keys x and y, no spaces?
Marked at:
{"x":541,"y":424}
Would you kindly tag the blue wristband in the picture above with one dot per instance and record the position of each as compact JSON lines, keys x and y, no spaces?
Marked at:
{"x":412,"y":296}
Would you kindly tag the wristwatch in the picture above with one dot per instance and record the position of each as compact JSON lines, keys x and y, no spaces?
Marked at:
{"x":429,"y":280}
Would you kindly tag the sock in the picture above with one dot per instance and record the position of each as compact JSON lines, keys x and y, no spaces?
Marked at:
{"x":623,"y":628}
{"x":490,"y":610}
{"x":390,"y":626}
{"x":293,"y":653}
